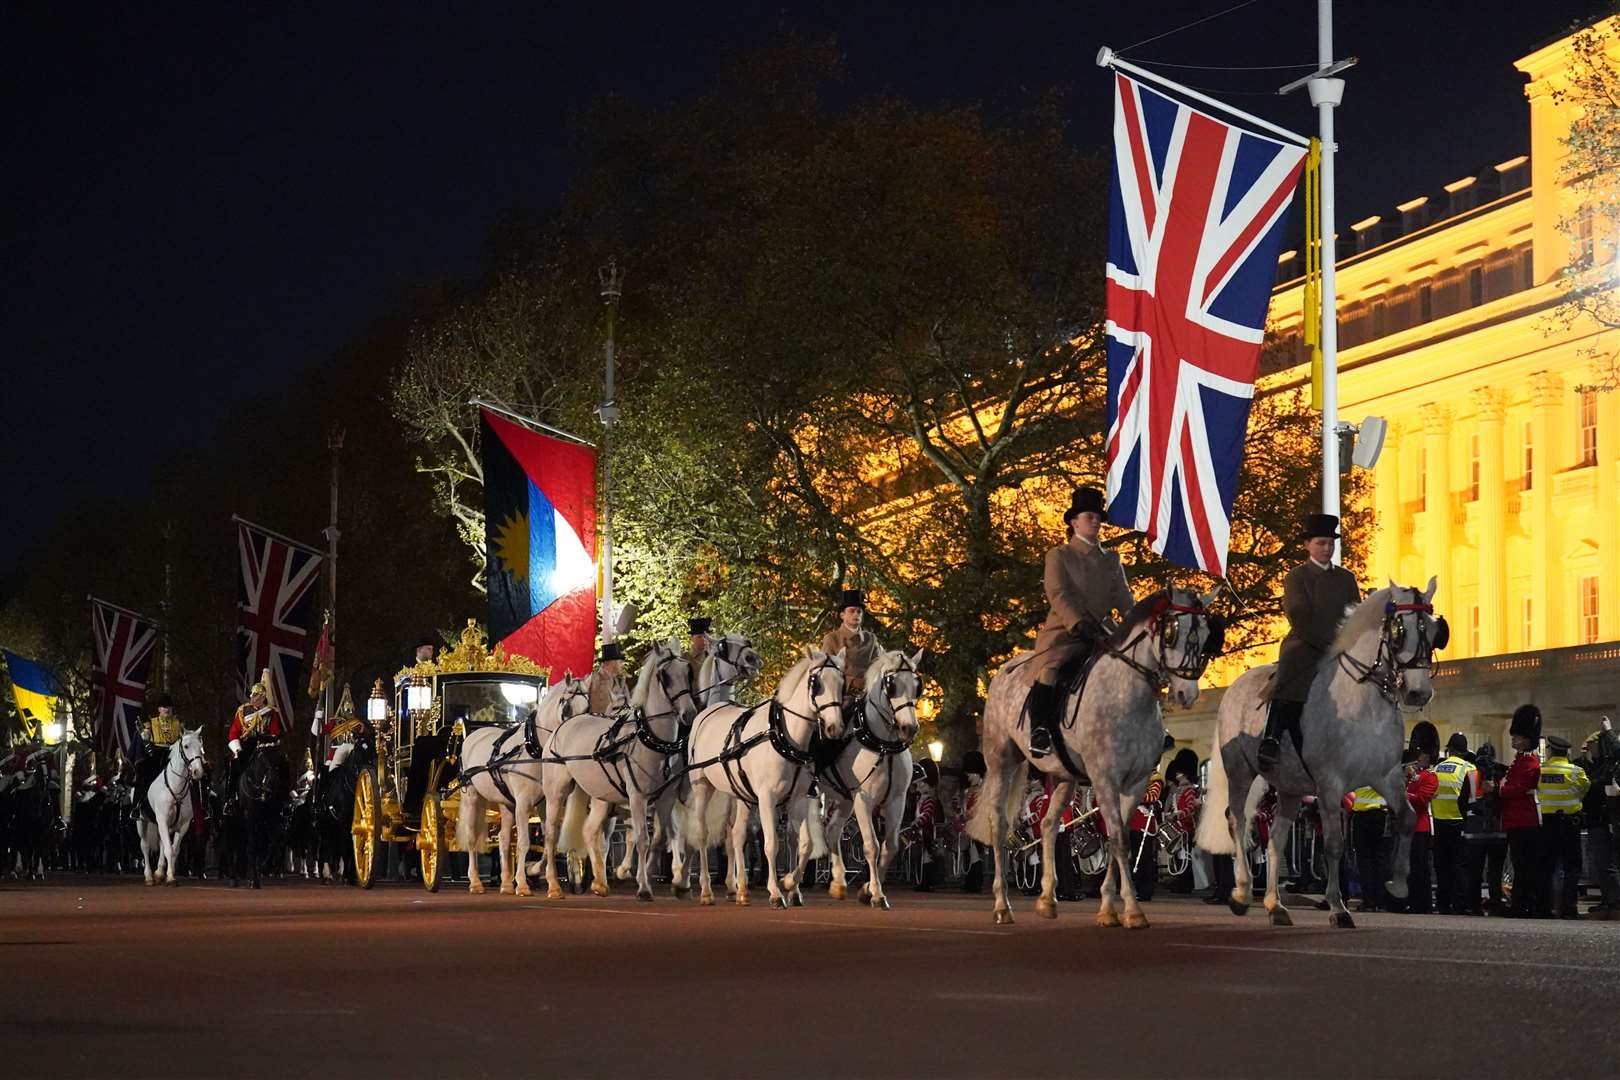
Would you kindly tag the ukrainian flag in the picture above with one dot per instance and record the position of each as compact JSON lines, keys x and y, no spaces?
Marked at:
{"x":35,"y":690}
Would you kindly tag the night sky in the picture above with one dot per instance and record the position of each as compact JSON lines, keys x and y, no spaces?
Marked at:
{"x":202,"y":201}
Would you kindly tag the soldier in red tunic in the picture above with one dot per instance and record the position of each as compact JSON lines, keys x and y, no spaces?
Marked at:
{"x":1521,"y":813}
{"x":256,"y":724}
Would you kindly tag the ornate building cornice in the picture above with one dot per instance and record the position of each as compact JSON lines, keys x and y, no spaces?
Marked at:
{"x":1545,"y":388}
{"x":1490,"y":404}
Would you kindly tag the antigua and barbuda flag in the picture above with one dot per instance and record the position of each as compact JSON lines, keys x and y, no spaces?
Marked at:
{"x":1197,"y":207}
{"x":539,"y":536}
{"x":34,"y":689}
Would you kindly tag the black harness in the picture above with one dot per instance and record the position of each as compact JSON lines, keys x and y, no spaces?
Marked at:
{"x":1386,"y":669}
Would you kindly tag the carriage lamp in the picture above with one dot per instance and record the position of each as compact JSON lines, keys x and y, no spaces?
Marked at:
{"x":936,"y":750}
{"x":419,"y":696}
{"x":377,"y":704}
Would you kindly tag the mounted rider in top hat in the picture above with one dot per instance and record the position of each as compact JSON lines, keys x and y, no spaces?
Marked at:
{"x":1085,"y":585}
{"x":859,"y":646}
{"x":1315,"y":596}
{"x":609,"y":690}
{"x":697,"y":647}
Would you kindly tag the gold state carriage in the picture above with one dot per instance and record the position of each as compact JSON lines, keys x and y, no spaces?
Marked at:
{"x":407,"y":795}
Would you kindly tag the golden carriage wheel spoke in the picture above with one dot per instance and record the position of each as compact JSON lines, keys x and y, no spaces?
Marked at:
{"x":430,"y":842}
{"x":364,"y":829}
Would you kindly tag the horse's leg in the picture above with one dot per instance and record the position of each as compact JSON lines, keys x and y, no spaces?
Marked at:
{"x":505,"y":847}
{"x":738,"y":869}
{"x":146,"y":855}
{"x":1046,"y":903}
{"x":166,"y":838}
{"x":1328,"y":801}
{"x":523,"y":806}
{"x":679,"y":882}
{"x":1402,"y":818}
{"x":996,"y":779}
{"x":642,"y":846}
{"x":556,"y":799}
{"x":1277,"y":844}
{"x":696,"y":808}
{"x":1237,"y":803}
{"x":767,"y":827}
{"x":1116,"y":813}
{"x":600,"y":811}
{"x":866,"y":821}
{"x":838,"y":813}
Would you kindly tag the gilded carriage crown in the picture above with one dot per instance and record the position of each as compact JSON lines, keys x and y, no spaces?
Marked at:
{"x":471,"y":654}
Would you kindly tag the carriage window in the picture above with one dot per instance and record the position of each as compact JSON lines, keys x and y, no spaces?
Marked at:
{"x":484,"y":702}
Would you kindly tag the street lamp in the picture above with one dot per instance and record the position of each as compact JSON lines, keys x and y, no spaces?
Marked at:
{"x":52,"y":730}
{"x":936,"y":750}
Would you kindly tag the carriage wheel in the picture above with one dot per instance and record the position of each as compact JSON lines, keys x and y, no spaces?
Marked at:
{"x":363,"y":826}
{"x":430,"y":842}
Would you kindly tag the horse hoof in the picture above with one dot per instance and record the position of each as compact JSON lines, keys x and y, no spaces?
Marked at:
{"x":1045,"y":908}
{"x":524,"y":890}
{"x":506,"y":888}
{"x":149,"y":879}
{"x":1003,"y":917}
{"x":837,"y":892}
{"x":1107,"y":918}
{"x":644,"y":897}
{"x":1280,"y":917}
{"x":881,"y":904}
{"x":1237,"y":907}
{"x":1135,"y":920}
{"x":622,"y":874}
{"x":475,"y":887}
{"x":682,"y":892}
{"x":778,"y":903}
{"x":1341,"y":920}
{"x":706,"y":900}
{"x":176,"y":881}
{"x":741,"y":900}
{"x":555,"y":892}
{"x":1396,"y":889}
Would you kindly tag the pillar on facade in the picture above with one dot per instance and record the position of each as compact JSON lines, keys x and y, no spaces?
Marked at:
{"x":1546,"y":578}
{"x":1437,"y":504}
{"x":1490,"y":517}
{"x":1608,"y":531}
{"x":1387,"y":501}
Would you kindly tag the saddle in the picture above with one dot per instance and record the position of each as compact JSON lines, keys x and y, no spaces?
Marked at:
{"x":1071,"y":681}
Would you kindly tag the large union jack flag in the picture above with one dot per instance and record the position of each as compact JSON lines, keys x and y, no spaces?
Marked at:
{"x":1196,"y":212}
{"x":278,"y":590}
{"x":123,"y":644}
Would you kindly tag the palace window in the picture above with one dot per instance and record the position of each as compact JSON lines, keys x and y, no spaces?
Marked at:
{"x":1527,"y":268}
{"x":1473,"y":468}
{"x":1426,"y":303}
{"x":1527,"y":626}
{"x":1589,"y":610}
{"x":1528,"y":456}
{"x":1586,"y":249}
{"x":1473,"y":630}
{"x":1476,"y":286}
{"x":1589,"y":442}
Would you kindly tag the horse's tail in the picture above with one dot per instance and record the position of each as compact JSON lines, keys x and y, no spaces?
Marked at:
{"x":572,"y":836}
{"x":470,"y":831}
{"x":1214,"y":833}
{"x":979,"y":826}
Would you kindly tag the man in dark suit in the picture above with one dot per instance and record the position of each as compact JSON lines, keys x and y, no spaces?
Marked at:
{"x":1315,"y":596}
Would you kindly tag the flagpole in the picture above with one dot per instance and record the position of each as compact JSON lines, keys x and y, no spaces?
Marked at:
{"x":1326,"y":93}
{"x":612,"y":281}
{"x":278,"y":536}
{"x":1106,"y":58}
{"x":334,"y":442}
{"x":545,"y":429}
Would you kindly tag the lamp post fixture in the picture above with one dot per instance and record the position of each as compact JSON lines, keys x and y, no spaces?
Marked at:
{"x":611,"y":279}
{"x":936,"y":750}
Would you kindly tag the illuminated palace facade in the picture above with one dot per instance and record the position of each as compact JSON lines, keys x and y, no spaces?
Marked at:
{"x":1500,"y":473}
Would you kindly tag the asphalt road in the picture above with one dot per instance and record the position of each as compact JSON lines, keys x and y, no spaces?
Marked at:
{"x":109,"y":978}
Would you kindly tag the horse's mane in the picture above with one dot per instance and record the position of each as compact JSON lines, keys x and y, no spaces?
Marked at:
{"x":644,"y":678}
{"x":795,"y":675}
{"x":1365,"y":616}
{"x":1141,"y":611}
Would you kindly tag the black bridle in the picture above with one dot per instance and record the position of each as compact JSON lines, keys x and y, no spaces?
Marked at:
{"x":1387,"y":668}
{"x":1206,"y":636}
{"x":862,"y":725}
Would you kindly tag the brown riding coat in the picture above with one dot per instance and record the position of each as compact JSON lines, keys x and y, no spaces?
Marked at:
{"x":1080,"y":579}
{"x":1314,"y":599}
{"x":860,"y":650}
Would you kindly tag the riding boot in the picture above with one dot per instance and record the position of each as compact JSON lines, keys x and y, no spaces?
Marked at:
{"x":1042,"y":707}
{"x":1270,"y":748}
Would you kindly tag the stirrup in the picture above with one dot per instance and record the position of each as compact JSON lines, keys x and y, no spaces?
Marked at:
{"x":1040,"y":741}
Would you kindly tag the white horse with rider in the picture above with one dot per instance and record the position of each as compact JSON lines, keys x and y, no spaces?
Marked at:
{"x":1350,"y":736}
{"x":1112,"y":732}
{"x":633,"y":759}
{"x":760,"y":756}
{"x":502,"y":767}
{"x":168,"y":799}
{"x":870,"y":776}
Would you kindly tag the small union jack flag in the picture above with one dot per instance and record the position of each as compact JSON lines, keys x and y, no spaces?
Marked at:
{"x":278,"y":580}
{"x":123,"y":644}
{"x":1196,"y":213}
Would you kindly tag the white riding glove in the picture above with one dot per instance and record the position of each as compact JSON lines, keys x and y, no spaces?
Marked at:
{"x":236,"y":747}
{"x":320,"y":721}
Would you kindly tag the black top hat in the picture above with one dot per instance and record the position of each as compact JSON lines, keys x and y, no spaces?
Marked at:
{"x":1086,"y":500}
{"x":699,"y":626}
{"x":427,"y":641}
{"x":165,"y":701}
{"x":973,"y":763}
{"x":851,"y":598}
{"x":612,"y":650}
{"x":1457,"y":744}
{"x":1526,"y":722}
{"x":1320,"y":525}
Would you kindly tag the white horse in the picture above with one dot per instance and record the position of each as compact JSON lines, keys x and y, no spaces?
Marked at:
{"x":871,"y":775}
{"x":1352,"y":732}
{"x":1113,"y":732}
{"x":169,"y":798}
{"x":761,"y":756}
{"x":631,"y":759}
{"x":502,"y":766}
{"x":728,"y":661}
